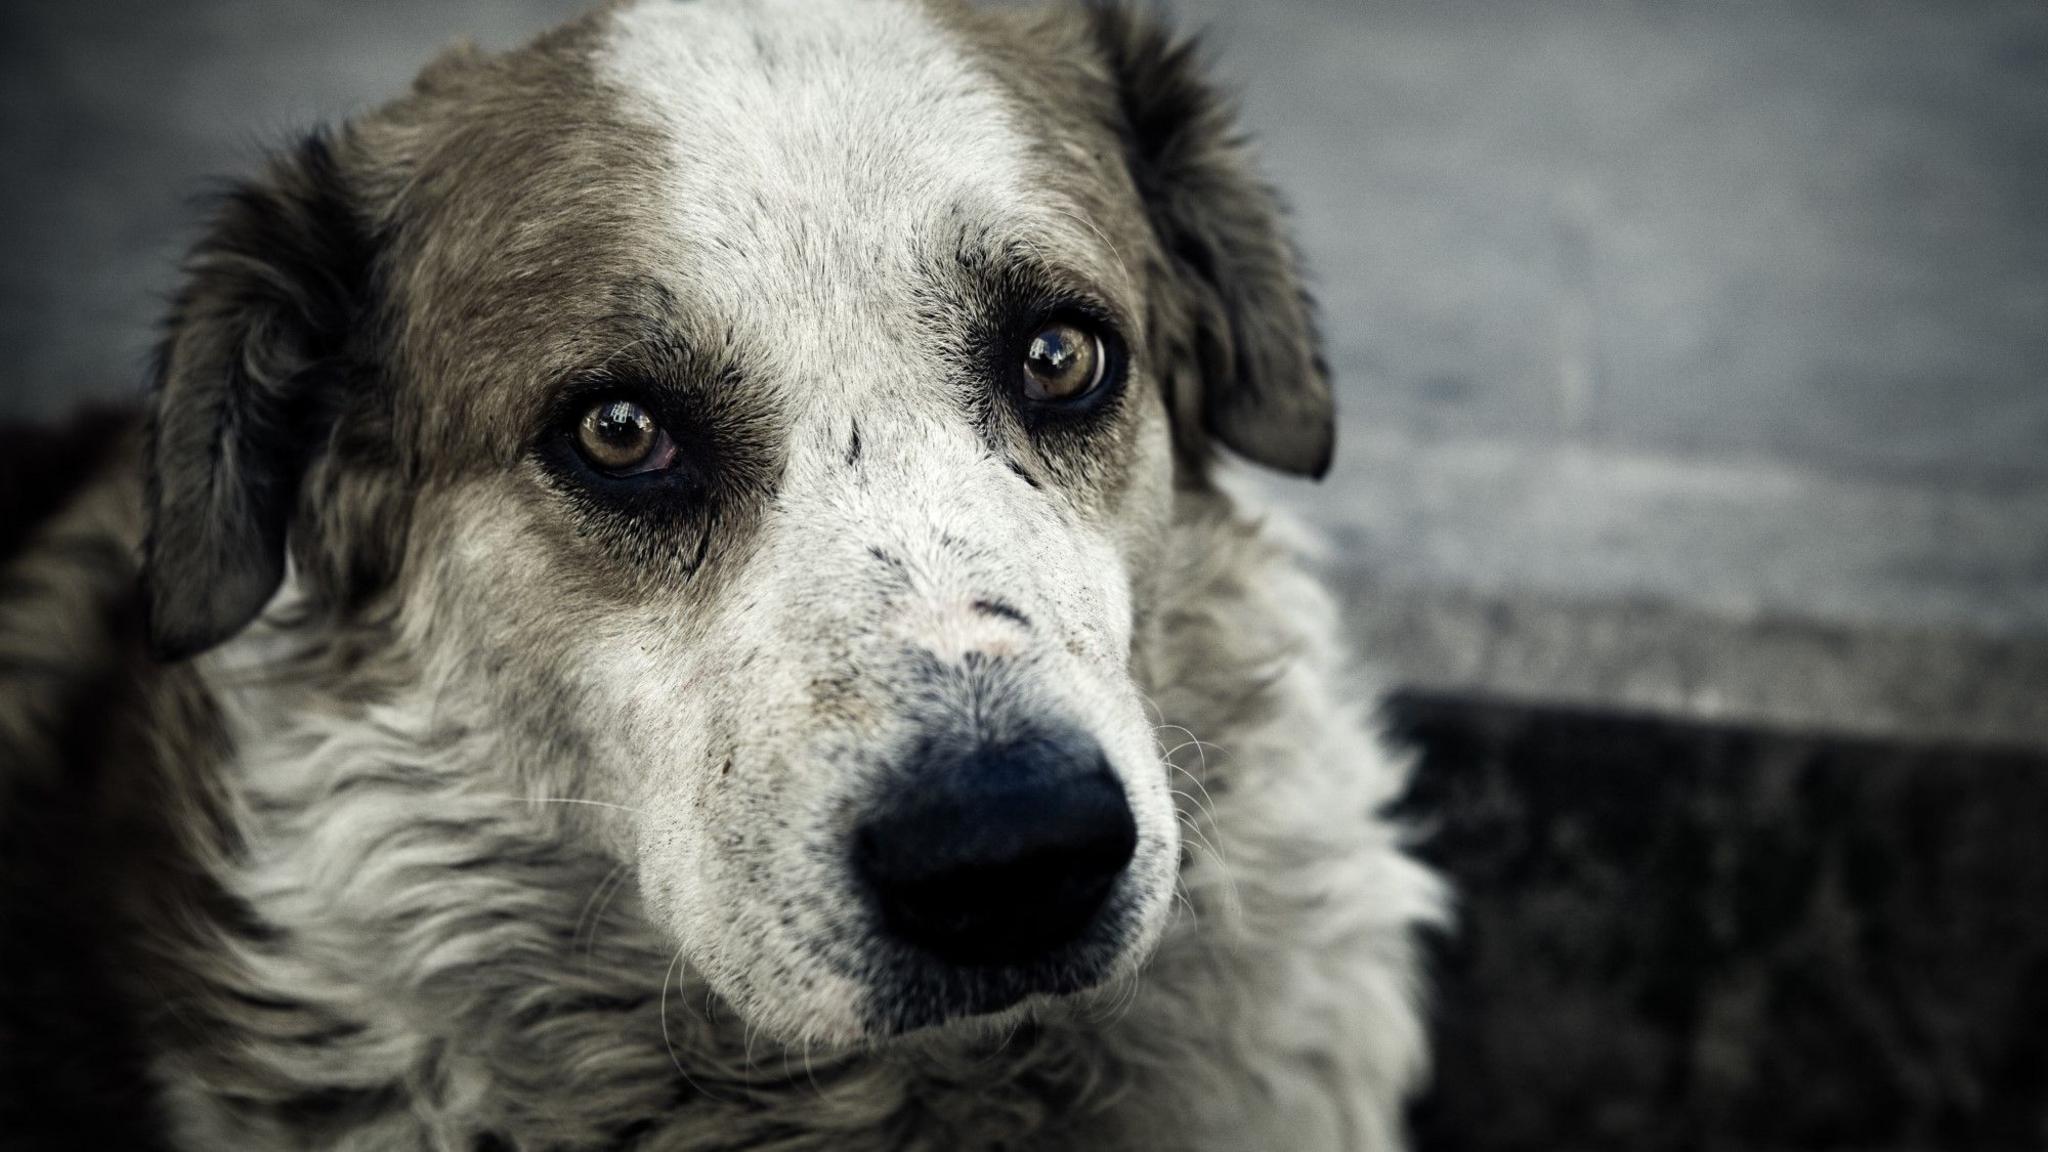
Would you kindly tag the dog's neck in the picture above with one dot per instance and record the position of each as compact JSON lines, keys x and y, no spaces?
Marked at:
{"x":394,"y":951}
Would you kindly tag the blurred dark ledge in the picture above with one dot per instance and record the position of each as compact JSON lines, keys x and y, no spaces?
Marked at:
{"x":1642,"y":654}
{"x":1682,"y":935}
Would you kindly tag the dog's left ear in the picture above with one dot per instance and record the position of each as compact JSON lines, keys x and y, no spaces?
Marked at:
{"x":252,"y":370}
{"x":1244,"y":363}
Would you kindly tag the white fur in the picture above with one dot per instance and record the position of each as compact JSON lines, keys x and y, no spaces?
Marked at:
{"x":817,"y":151}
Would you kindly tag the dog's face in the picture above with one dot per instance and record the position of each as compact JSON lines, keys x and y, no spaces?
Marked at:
{"x":766,"y":418}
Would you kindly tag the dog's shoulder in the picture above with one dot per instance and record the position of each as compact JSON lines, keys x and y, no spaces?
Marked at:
{"x":1303,"y":906}
{"x":44,"y":466}
{"x":70,"y":531}
{"x":70,"y":653}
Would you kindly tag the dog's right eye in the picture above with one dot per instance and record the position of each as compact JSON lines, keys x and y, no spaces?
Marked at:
{"x":621,"y":438}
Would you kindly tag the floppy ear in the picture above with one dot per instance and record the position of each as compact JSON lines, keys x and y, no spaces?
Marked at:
{"x":247,"y":379}
{"x":1245,"y":325}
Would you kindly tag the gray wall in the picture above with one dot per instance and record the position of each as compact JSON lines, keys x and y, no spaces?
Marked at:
{"x":1738,"y":311}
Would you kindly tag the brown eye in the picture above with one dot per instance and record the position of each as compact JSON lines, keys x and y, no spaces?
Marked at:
{"x":622,"y":438}
{"x":1063,"y":362}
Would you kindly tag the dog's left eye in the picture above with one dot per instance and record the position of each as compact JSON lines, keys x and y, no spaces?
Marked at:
{"x":1064,"y":362}
{"x":621,"y":438}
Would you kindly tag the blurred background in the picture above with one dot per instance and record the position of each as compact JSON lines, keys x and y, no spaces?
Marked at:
{"x":1693,"y":372}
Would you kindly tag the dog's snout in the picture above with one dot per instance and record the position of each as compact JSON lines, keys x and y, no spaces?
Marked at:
{"x":998,"y":855}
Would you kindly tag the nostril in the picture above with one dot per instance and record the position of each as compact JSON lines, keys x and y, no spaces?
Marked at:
{"x":986,"y":861}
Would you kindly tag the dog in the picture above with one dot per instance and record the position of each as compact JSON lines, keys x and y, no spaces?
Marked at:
{"x":681,"y":590}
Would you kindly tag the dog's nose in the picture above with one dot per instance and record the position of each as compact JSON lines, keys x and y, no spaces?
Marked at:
{"x":998,"y":855}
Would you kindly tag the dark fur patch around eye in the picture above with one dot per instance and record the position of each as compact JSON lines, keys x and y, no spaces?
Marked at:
{"x":725,"y":461}
{"x":991,"y":299}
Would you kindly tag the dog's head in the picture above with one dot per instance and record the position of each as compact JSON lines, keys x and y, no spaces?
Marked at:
{"x":766,"y":418}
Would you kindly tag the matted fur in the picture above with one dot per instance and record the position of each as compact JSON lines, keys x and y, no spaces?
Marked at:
{"x":512,"y":822}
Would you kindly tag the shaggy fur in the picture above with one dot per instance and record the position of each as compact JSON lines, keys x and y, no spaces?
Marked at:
{"x":472,"y":801}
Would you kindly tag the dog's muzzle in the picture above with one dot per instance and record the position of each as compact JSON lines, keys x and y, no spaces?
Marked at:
{"x":998,"y":857}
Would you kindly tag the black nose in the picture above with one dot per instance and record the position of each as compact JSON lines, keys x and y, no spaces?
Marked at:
{"x":999,"y":855}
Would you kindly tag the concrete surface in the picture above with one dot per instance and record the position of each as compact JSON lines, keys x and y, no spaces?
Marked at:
{"x":1700,"y":328}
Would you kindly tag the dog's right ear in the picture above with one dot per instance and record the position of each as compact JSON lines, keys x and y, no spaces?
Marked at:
{"x":1248,"y":369}
{"x":254,"y":362}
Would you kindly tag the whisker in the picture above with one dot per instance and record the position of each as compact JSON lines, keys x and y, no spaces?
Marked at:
{"x":622,"y":350}
{"x":666,"y":1041}
{"x":1099,"y":234}
{"x":1194,"y":801}
{"x":1158,"y":717}
{"x":1233,"y":905}
{"x":1186,"y":899}
{"x":1195,"y":830}
{"x":1163,"y":726}
{"x":1124,"y":997}
{"x":1200,"y":746}
{"x":1130,"y":1002}
{"x":1009,"y":1034}
{"x":604,"y":907}
{"x":576,"y":933}
{"x":809,"y":1072}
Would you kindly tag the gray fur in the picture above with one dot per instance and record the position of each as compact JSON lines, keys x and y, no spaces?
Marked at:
{"x":512,"y":822}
